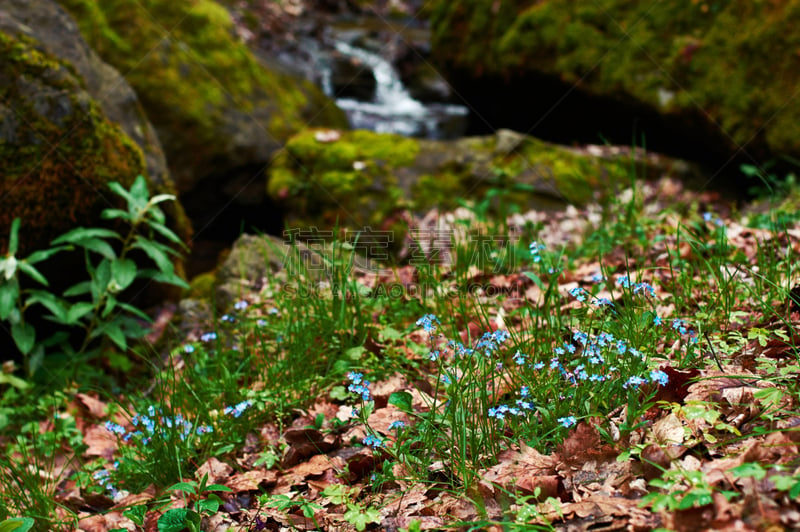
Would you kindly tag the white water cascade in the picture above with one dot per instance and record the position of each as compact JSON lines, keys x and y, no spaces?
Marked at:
{"x":392,"y":110}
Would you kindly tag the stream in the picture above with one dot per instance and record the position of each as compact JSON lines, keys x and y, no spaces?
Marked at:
{"x":391,"y":109}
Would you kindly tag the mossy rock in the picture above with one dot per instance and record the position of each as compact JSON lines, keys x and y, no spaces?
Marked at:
{"x":361,"y":179}
{"x":721,"y":74}
{"x":58,"y":151}
{"x":50,"y":30}
{"x":214,"y":105}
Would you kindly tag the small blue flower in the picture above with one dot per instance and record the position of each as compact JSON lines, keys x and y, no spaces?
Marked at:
{"x":659,"y":377}
{"x":568,"y":421}
{"x":240,"y":305}
{"x":207,"y":337}
{"x":237,"y":410}
{"x":433,"y":355}
{"x":396,"y":425}
{"x":273,"y":311}
{"x":228,"y":318}
{"x":445,"y":379}
{"x":498,"y":412}
{"x":524,"y":391}
{"x":115,"y":428}
{"x":634,"y":382}
{"x":538,"y":365}
{"x":372,"y":441}
{"x":428,"y":322}
{"x":519,"y":358}
{"x":188,"y":348}
{"x":657,"y":320}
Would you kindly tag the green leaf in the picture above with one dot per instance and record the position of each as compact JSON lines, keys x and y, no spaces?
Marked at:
{"x":123,"y":273}
{"x":84,"y":287}
{"x":156,"y":252}
{"x":136,"y":514}
{"x":113,"y":331}
{"x":360,"y":517}
{"x":110,"y":214}
{"x":535,"y":278}
{"x":135,"y":311}
{"x":209,"y":505}
{"x":53,"y":303}
{"x":32,"y":272}
{"x":391,"y":334}
{"x":183,"y":486}
{"x":218,"y":487}
{"x":16,"y":382}
{"x":80,"y":234}
{"x":17,"y":524}
{"x":139,"y":190}
{"x":170,"y":278}
{"x":749,"y":469}
{"x":176,"y":519}
{"x":9,"y":293}
{"x":120,"y":191}
{"x":13,"y":237}
{"x":44,"y":254}
{"x":24,"y":336}
{"x":78,"y":311}
{"x":164,"y":231}
{"x":401,"y":400}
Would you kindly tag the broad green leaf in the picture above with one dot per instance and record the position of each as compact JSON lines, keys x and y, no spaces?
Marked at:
{"x":535,"y":278}
{"x":360,"y":517}
{"x":167,"y":233}
{"x":183,"y":486}
{"x":24,"y":336}
{"x":156,"y":215}
{"x":390,"y":334}
{"x":123,"y":272}
{"x":120,"y":191}
{"x":177,"y":519}
{"x":111,"y":304}
{"x":32,"y":272}
{"x":156,"y":252}
{"x":114,"y":332}
{"x":84,"y":287}
{"x":13,"y":237}
{"x":139,"y":190}
{"x":218,"y":487}
{"x":9,"y":293}
{"x":210,"y":505}
{"x":81,"y":234}
{"x":100,"y":279}
{"x":401,"y":400}
{"x":16,"y":382}
{"x":135,"y":311}
{"x":170,"y":278}
{"x":53,"y":303}
{"x":748,"y":469}
{"x":17,"y":524}
{"x":44,"y":254}
{"x":110,"y":214}
{"x":78,"y":311}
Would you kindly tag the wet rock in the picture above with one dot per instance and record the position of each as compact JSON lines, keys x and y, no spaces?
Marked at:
{"x":351,"y":78}
{"x":69,"y":124}
{"x":707,"y":81}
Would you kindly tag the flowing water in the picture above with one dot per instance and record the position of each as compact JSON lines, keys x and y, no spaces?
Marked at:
{"x":393,"y":110}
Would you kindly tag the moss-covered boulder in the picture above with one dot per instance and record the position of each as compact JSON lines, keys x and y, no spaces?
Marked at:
{"x":361,"y":178}
{"x":59,"y":146}
{"x":217,"y":109}
{"x":707,"y":77}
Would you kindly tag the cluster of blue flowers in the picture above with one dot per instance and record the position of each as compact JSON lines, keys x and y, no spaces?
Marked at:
{"x":155,"y":423}
{"x":536,"y":250}
{"x":522,"y":406}
{"x":712,"y":218}
{"x":359,"y":386}
{"x":238,"y":409}
{"x":372,"y":441}
{"x":428,"y":322}
{"x":207,"y":337}
{"x":491,"y":341}
{"x":103,"y":477}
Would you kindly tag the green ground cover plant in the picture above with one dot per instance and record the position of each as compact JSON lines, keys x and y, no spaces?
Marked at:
{"x":636,"y":359}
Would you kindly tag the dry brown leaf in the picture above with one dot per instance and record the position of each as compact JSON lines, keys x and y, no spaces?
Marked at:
{"x":95,"y":407}
{"x":317,"y":465}
{"x":99,"y":442}
{"x":217,"y":471}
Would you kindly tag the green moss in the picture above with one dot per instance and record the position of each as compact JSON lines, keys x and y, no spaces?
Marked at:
{"x":351,"y":179}
{"x":191,"y":73}
{"x":58,"y":158}
{"x":733,"y":65}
